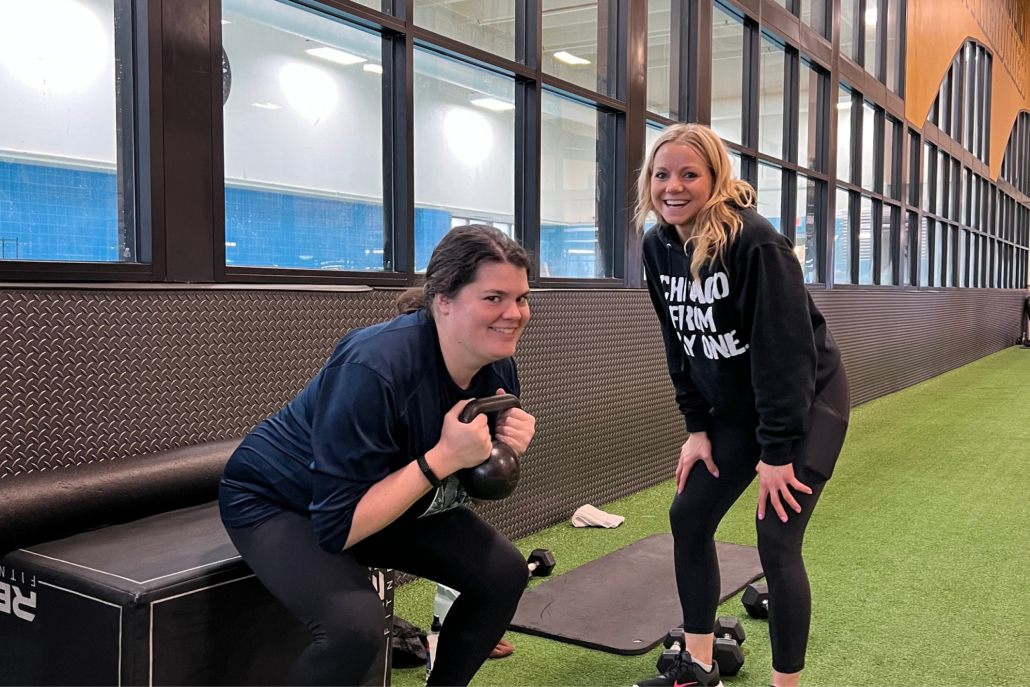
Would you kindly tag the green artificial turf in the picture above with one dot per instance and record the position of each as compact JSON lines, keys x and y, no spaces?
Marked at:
{"x":917,"y":553}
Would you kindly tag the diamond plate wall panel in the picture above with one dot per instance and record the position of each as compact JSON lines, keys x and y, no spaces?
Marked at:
{"x":892,"y":340}
{"x":103,"y":374}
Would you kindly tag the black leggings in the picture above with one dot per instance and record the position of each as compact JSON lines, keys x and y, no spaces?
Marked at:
{"x":332,"y":595}
{"x":696,"y":512}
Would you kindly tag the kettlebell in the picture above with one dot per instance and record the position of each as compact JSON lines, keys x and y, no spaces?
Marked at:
{"x":497,"y":476}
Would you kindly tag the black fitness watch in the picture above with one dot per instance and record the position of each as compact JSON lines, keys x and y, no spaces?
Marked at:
{"x":428,"y":472}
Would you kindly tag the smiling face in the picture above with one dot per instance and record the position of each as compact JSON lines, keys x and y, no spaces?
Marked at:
{"x":681,"y":184}
{"x":482,"y":323}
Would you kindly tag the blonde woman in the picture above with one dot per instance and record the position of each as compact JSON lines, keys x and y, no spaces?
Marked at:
{"x":758,"y":379}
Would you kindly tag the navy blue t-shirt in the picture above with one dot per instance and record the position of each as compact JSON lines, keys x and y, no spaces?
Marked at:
{"x":377,"y":404}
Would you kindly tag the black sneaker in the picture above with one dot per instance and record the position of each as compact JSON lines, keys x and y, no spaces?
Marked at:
{"x":684,"y":673}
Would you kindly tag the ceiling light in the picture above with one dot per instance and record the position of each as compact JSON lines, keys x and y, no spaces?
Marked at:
{"x":55,"y":47}
{"x":267,"y":106}
{"x":311,"y":91}
{"x":870,"y":15}
{"x":337,"y":56}
{"x":374,"y":68}
{"x":492,"y":104}
{"x":469,"y":135}
{"x":580,"y":251}
{"x":569,"y":58}
{"x":224,"y":22}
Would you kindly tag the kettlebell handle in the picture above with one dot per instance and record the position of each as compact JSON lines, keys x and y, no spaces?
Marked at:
{"x":489,"y":404}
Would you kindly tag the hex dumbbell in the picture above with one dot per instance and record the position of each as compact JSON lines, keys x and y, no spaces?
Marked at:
{"x":756,"y":600}
{"x":541,"y":563}
{"x":673,"y":648}
{"x":729,"y":635}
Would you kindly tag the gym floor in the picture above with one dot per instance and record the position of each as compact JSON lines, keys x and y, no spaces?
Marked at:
{"x":917,"y":553}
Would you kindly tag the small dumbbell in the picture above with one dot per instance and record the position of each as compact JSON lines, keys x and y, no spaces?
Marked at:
{"x":541,"y":563}
{"x":756,"y":600}
{"x":674,"y":644}
{"x":726,"y":652}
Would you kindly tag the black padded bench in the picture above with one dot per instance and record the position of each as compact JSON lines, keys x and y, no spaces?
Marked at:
{"x":162,"y":599}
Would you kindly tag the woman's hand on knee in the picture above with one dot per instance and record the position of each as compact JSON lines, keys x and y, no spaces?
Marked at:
{"x":696,"y":447}
{"x":774,"y":483}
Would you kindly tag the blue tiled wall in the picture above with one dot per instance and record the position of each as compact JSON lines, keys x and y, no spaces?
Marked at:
{"x":47,"y":213}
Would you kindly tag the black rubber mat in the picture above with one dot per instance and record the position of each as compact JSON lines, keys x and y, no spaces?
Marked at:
{"x":625,"y":602}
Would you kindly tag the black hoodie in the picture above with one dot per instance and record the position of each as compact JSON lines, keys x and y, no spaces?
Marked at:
{"x":747,"y":342}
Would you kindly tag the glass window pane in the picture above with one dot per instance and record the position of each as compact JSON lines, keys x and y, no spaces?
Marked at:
{"x":939,"y":244}
{"x":809,"y":114}
{"x":872,"y":35}
{"x":893,"y":48}
{"x":844,"y":103}
{"x":464,"y":149}
{"x":842,"y":240}
{"x":485,"y":24}
{"x":771,"y":100}
{"x":813,"y":13}
{"x":848,"y":9}
{"x":306,"y":94}
{"x":569,"y":237}
{"x":886,"y":248}
{"x":735,"y":163}
{"x":889,"y":132}
{"x":806,"y":229}
{"x":770,"y":194}
{"x":963,"y":260}
{"x":865,"y":241}
{"x":929,"y":157}
{"x":570,"y":43}
{"x":65,"y":189}
{"x":924,"y":251}
{"x":727,"y":74}
{"x":943,"y":167}
{"x":651,"y":133}
{"x":869,"y":145}
{"x":659,"y":57}
{"x":909,"y":231}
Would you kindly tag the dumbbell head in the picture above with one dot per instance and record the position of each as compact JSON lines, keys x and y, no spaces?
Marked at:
{"x":756,"y":600}
{"x":541,"y":562}
{"x":728,"y":655}
{"x":673,"y":646}
{"x":729,"y":628}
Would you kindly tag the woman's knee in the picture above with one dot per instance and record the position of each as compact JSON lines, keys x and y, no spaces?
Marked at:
{"x":779,"y":545}
{"x":689,"y":519}
{"x":505,"y":573}
{"x":354,"y":629}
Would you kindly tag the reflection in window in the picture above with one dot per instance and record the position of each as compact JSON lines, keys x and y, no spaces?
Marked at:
{"x":886,"y":252}
{"x":813,"y":13}
{"x":809,"y":114}
{"x":929,"y":156}
{"x":844,"y":103}
{"x":890,"y":131}
{"x":770,"y":195}
{"x":848,"y":9}
{"x":908,"y":231}
{"x":771,"y":99}
{"x":925,"y":232}
{"x":569,"y":237}
{"x":842,"y":240}
{"x":651,"y":133}
{"x":659,"y":57}
{"x":65,"y":194}
{"x":485,"y":24}
{"x":893,"y":47}
{"x":306,"y":94}
{"x":464,"y":148}
{"x":865,"y":241}
{"x":570,"y":43}
{"x":806,"y":228}
{"x":735,"y":164}
{"x":872,"y":34}
{"x":938,"y":253}
{"x":869,"y":145}
{"x":727,"y":74}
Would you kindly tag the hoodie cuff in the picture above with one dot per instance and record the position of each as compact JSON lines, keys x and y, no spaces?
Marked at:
{"x":777,"y":454}
{"x":701,"y":422}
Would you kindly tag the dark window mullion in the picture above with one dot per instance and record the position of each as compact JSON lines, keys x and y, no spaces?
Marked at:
{"x":791,"y":108}
{"x":398,"y":155}
{"x":855,"y":225}
{"x":528,"y":95}
{"x":752,"y":69}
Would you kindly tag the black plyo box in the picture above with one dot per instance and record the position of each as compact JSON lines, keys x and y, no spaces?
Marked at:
{"x":165,"y":600}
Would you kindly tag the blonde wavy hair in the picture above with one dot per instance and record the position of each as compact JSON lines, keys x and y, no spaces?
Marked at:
{"x":716,"y":224}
